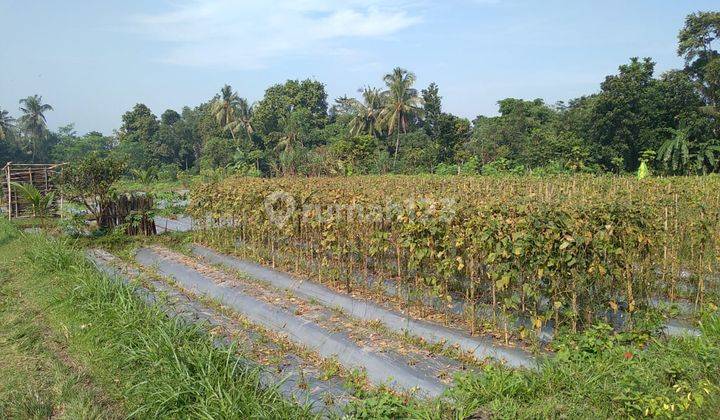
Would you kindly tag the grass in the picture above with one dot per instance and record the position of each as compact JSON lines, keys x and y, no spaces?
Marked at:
{"x":155,"y":186}
{"x":40,"y":379}
{"x":667,"y":379}
{"x":136,"y":362}
{"x":594,"y":375}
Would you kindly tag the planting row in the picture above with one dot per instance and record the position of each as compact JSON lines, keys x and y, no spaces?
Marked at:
{"x":563,"y":251}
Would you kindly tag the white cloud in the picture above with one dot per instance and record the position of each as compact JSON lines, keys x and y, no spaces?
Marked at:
{"x":252,"y":34}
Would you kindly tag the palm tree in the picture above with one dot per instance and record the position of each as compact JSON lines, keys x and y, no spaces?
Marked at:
{"x":40,"y":204}
{"x":294,"y":125}
{"x":6,"y":124}
{"x":674,"y":153}
{"x":290,"y":136}
{"x":243,"y":118}
{"x":225,"y":107}
{"x":402,"y":102}
{"x":366,"y":114}
{"x":33,"y":119}
{"x":144,"y":176}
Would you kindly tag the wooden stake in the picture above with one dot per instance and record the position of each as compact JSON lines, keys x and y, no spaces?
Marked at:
{"x":9,"y":191}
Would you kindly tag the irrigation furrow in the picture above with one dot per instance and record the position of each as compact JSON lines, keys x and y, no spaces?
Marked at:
{"x":481,"y":348}
{"x":381,"y":367}
{"x":295,"y":378}
{"x":179,"y":224}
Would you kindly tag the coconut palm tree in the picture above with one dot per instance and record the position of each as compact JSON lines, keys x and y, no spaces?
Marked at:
{"x":402,"y":102}
{"x":366,"y":114}
{"x":6,"y":124}
{"x":295,"y":124}
{"x":224,"y":109}
{"x":33,"y":120}
{"x":290,"y":137}
{"x":40,"y":204}
{"x":674,"y":153}
{"x":243,"y":119}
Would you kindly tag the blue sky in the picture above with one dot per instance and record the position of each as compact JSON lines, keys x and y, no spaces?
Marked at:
{"x":93,"y":60}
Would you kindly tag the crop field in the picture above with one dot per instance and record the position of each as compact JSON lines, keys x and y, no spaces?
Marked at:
{"x":565,"y":251}
{"x":372,"y":297}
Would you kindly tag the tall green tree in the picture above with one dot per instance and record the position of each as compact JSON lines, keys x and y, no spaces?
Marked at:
{"x":526,"y":133}
{"x":432,"y":104}
{"x":138,"y":138}
{"x":169,"y":117}
{"x":449,"y":133}
{"x":139,"y":125}
{"x":243,"y":119}
{"x":366,"y":113}
{"x":7,"y":123}
{"x":702,"y":61}
{"x":9,"y":150}
{"x":280,"y":99}
{"x":402,"y":104}
{"x":626,"y":117}
{"x":295,"y":127}
{"x":224,"y":109}
{"x":33,"y":120}
{"x":71,"y":148}
{"x":342,"y":108}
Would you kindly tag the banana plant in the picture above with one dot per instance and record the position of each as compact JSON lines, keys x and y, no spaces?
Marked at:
{"x":674,"y":153}
{"x":144,"y":176}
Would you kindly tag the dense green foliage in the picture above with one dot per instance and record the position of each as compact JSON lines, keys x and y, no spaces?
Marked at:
{"x":90,"y":182}
{"x":398,"y":128}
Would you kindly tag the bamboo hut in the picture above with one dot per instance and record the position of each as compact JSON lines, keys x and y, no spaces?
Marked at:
{"x":40,"y":175}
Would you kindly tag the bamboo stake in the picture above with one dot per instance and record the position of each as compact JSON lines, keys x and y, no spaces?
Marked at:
{"x":9,"y":191}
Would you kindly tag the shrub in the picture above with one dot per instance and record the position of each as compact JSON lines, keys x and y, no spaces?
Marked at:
{"x":91,"y":181}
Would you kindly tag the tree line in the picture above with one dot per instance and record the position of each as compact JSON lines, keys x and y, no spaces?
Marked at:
{"x":671,"y":121}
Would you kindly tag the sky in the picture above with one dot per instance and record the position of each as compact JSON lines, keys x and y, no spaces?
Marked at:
{"x":93,"y":60}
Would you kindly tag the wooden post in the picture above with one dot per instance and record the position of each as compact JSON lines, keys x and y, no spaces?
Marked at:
{"x":9,"y":191}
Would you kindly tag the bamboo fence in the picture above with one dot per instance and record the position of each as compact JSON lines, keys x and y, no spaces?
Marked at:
{"x":40,"y":175}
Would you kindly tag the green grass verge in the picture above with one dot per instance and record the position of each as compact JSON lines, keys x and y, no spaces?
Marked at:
{"x":81,"y":344}
{"x":39,"y":378}
{"x":155,"y":186}
{"x":594,"y":375}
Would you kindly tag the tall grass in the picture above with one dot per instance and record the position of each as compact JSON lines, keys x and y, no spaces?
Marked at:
{"x":160,"y":366}
{"x":594,"y":375}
